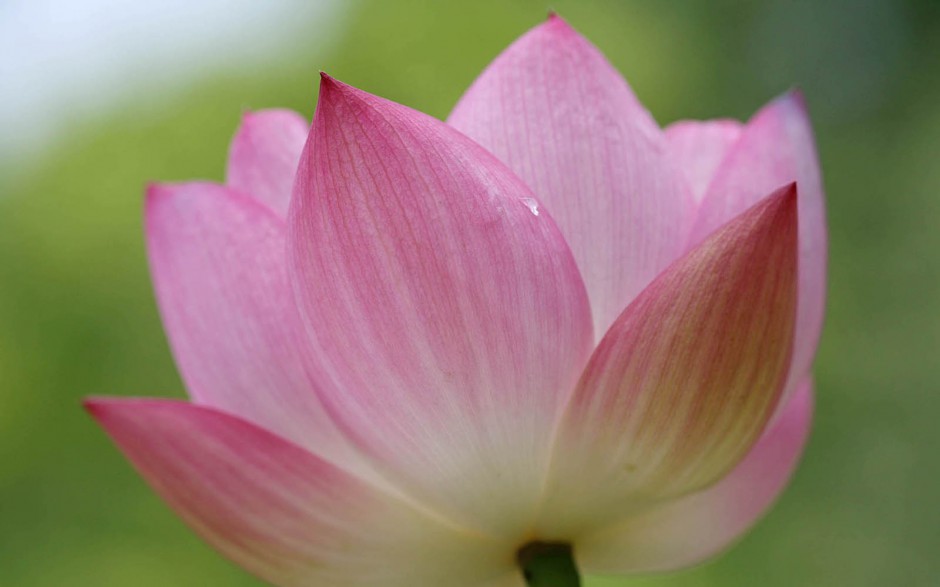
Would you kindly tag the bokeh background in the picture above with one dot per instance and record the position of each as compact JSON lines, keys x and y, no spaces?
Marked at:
{"x":99,"y":97}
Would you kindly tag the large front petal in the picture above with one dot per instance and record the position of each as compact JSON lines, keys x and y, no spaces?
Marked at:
{"x":443,"y":301}
{"x":701,"y":525}
{"x":685,"y":380}
{"x":560,"y":116}
{"x":282,"y":513}
{"x":775,"y":148}
{"x":218,"y":260}
{"x":263,"y":156}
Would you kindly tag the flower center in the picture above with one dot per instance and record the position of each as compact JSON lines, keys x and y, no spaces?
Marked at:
{"x":548,"y":564}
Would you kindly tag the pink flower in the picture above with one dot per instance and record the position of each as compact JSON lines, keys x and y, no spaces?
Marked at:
{"x":593,"y":333}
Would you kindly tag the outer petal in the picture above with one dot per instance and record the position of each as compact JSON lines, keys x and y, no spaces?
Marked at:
{"x":699,"y":526}
{"x":282,"y":513}
{"x":684,"y":382}
{"x":219,"y":269}
{"x":560,"y":116}
{"x":777,"y":147}
{"x":262,"y":159}
{"x":699,"y":147}
{"x":444,"y":301}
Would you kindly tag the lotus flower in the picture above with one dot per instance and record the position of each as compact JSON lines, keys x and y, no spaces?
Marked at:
{"x":543,"y":334}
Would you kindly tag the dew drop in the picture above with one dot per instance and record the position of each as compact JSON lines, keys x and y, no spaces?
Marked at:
{"x":532,"y":205}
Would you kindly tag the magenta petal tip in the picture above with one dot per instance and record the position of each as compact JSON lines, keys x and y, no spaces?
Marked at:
{"x":557,"y":24}
{"x":91,"y":406}
{"x":793,"y":98}
{"x":327,"y":81}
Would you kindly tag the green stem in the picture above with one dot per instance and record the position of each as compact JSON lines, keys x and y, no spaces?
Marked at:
{"x":548,"y":564}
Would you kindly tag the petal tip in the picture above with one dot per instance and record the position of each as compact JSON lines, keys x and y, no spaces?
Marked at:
{"x":333,"y":91}
{"x":797,"y":97}
{"x":103,"y":409}
{"x":329,"y":83}
{"x":782,"y":208}
{"x":556,"y":24}
{"x":93,"y":406}
{"x":154,"y":193}
{"x":792,"y":101}
{"x":329,"y":86}
{"x":783,"y":201}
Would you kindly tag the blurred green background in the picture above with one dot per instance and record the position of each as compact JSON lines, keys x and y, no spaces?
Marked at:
{"x":77,"y":315}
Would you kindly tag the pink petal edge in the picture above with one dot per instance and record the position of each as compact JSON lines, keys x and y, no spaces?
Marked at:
{"x":283,"y":514}
{"x":777,"y":147}
{"x":263,"y":156}
{"x":220,"y":277}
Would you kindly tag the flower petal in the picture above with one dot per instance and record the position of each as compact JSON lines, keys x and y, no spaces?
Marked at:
{"x":284,"y":514}
{"x":775,"y":148}
{"x":443,"y":300}
{"x":219,"y":270}
{"x":262,"y":159}
{"x":560,"y":116}
{"x":699,"y":147}
{"x":684,"y":382}
{"x":701,"y":525}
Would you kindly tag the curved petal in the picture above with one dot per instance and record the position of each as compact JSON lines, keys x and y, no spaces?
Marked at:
{"x":553,"y":109}
{"x":775,"y":148}
{"x":684,"y":382}
{"x":284,"y":514}
{"x":699,"y":147}
{"x":219,"y":270}
{"x":262,"y":159}
{"x":699,"y":526}
{"x":444,"y":302}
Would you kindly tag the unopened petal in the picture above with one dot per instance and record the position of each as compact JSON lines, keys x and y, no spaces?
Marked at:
{"x":560,"y":116}
{"x":218,"y":260}
{"x":699,"y":147}
{"x":686,"y":379}
{"x":694,"y":528}
{"x":775,"y":148}
{"x":443,"y":301}
{"x":263,"y":157}
{"x":283,"y":514}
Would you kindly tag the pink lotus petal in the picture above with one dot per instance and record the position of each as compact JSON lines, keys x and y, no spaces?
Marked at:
{"x":219,"y":270}
{"x":282,"y":513}
{"x":684,"y":382}
{"x":262,"y":160}
{"x":699,"y":147}
{"x":560,"y":116}
{"x":775,"y":148}
{"x":443,"y":300}
{"x":697,"y":527}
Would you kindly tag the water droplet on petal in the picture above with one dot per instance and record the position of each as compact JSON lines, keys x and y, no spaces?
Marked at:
{"x":532,"y":205}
